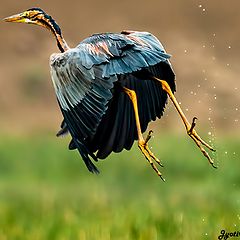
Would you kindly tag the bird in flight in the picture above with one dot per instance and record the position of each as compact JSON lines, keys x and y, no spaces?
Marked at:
{"x":109,"y":87}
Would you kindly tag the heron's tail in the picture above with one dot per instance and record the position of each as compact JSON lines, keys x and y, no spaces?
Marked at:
{"x":63,"y":131}
{"x":85,"y":153}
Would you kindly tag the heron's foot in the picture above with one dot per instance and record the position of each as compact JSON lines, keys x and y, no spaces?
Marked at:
{"x":143,"y":145}
{"x":200,"y":143}
{"x":149,"y":151}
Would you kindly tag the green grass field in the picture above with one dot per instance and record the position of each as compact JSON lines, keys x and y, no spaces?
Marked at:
{"x":47,"y":193}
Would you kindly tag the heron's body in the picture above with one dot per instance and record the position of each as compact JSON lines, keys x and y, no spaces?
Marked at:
{"x":109,"y":88}
{"x":88,"y":81}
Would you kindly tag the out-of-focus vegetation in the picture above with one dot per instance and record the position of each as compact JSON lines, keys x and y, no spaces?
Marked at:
{"x":47,"y":193}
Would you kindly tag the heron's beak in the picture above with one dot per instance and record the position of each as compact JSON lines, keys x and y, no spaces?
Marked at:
{"x":19,"y":18}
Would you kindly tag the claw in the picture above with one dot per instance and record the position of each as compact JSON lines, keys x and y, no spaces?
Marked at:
{"x":214,"y":166}
{"x":197,"y":139}
{"x":153,"y":157}
{"x":199,"y":142}
{"x":149,"y":155}
{"x":193,"y":125}
{"x":149,"y":136}
{"x":149,"y":151}
{"x":164,"y":180}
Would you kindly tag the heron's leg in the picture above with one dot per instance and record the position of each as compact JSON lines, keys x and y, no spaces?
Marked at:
{"x":189,"y":127}
{"x":142,"y":144}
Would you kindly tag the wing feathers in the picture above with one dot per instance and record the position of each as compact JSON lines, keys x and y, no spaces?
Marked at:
{"x":98,"y":115}
{"x":117,"y":129}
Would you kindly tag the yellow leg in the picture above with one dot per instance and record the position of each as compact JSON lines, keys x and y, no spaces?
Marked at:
{"x":189,"y":127}
{"x":142,"y":144}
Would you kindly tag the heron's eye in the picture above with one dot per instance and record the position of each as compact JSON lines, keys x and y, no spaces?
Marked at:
{"x":25,"y":15}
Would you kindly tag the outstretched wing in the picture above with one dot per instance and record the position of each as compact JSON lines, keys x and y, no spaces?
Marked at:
{"x":122,"y":53}
{"x":84,"y":79}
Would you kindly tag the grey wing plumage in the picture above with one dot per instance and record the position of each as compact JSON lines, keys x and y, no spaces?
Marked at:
{"x":142,"y":57}
{"x":82,"y":95}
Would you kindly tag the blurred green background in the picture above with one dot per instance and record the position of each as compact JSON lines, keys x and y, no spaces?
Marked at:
{"x":45,"y":190}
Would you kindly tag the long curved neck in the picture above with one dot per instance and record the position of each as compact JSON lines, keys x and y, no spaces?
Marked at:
{"x":61,"y":43}
{"x":50,"y":24}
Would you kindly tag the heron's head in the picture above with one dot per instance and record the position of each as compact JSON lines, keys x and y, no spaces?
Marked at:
{"x":38,"y":17}
{"x":35,"y":16}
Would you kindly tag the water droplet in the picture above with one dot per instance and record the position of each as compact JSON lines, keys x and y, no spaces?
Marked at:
{"x":200,"y":5}
{"x":226,"y":152}
{"x":209,"y":133}
{"x":185,"y":50}
{"x":234,"y":153}
{"x":236,"y":120}
{"x":213,"y":46}
{"x":209,"y":109}
{"x":228,"y":64}
{"x":198,"y":85}
{"x":215,"y":97}
{"x":203,"y":9}
{"x":229,"y":47}
{"x":187,"y":109}
{"x":203,"y":219}
{"x":179,"y":103}
{"x":236,"y":109}
{"x":191,"y":92}
{"x":206,"y":234}
{"x":235,"y":88}
{"x":214,"y":34}
{"x":203,"y":46}
{"x":209,"y":118}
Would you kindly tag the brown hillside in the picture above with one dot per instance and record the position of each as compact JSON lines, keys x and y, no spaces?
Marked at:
{"x":202,"y":36}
